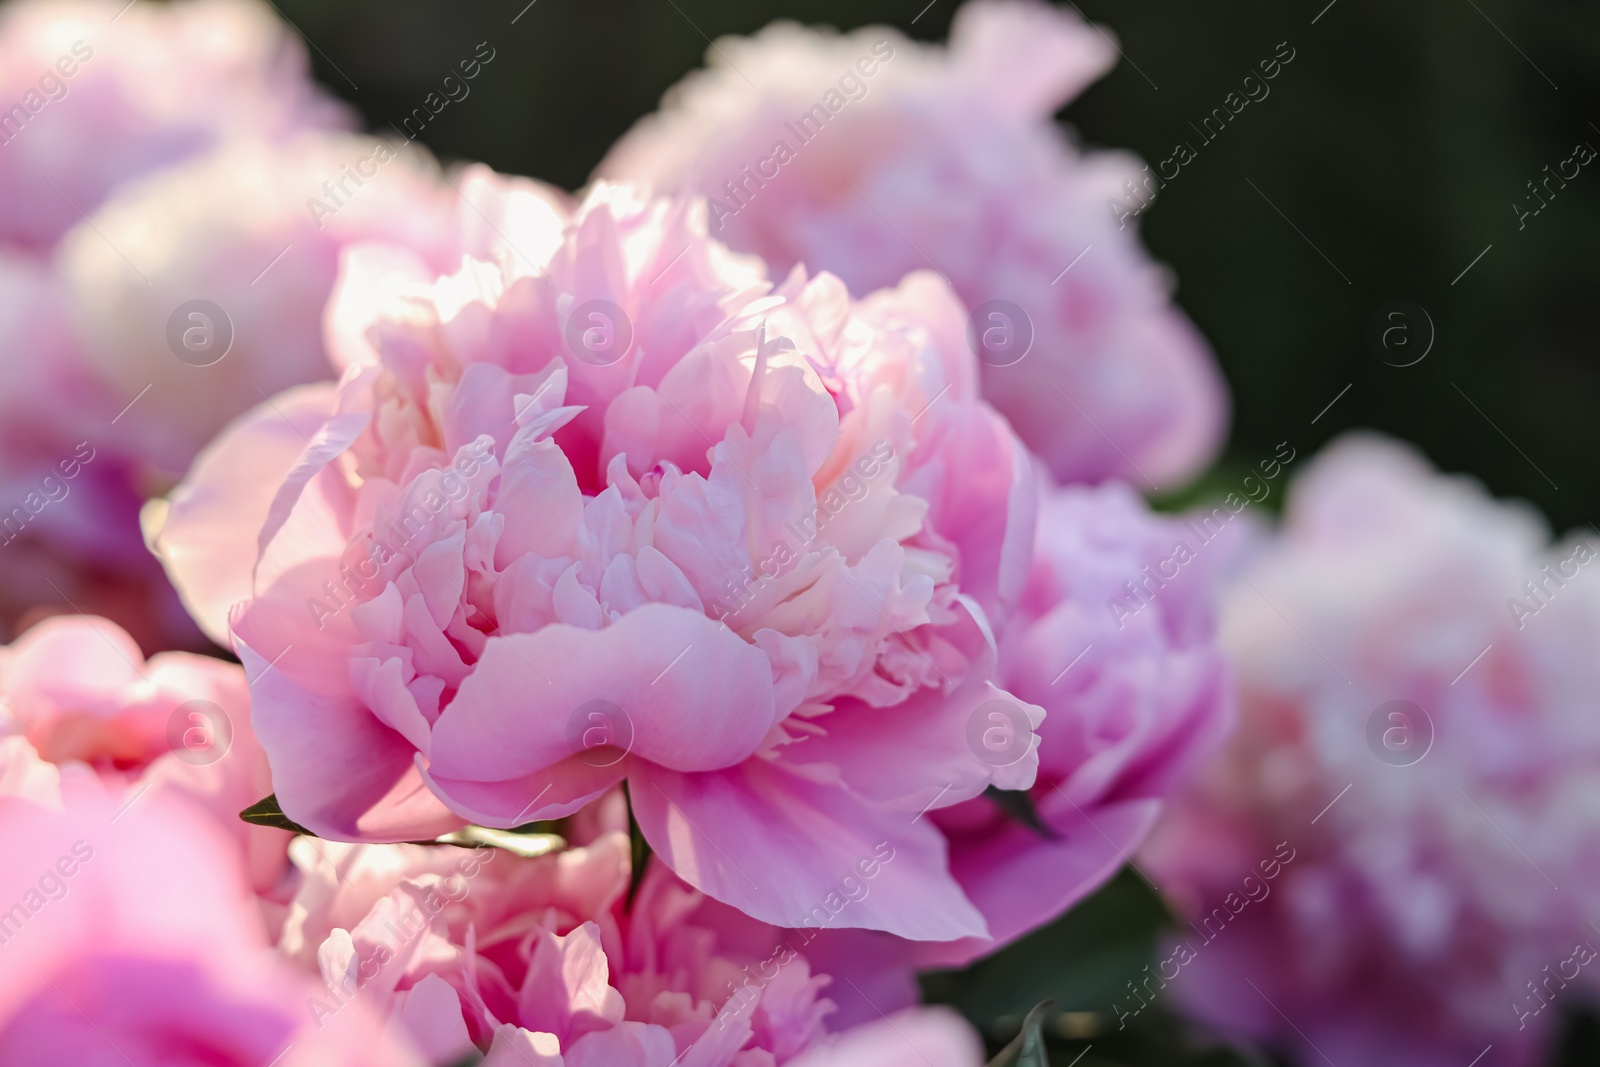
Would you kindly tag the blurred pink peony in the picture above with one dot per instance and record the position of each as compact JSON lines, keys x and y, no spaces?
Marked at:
{"x":1402,"y":883}
{"x":69,"y":504}
{"x":152,"y":155}
{"x":128,"y":944}
{"x":97,"y":92}
{"x":84,"y":716}
{"x":619,"y":509}
{"x":478,"y":949}
{"x":253,"y":231}
{"x":870,"y":155}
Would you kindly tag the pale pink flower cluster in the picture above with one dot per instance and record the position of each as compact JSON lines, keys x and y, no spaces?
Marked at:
{"x":869,"y":155}
{"x":96,"y":93}
{"x":128,"y":939}
{"x":152,"y":156}
{"x":706,"y":539}
{"x":761,"y":535}
{"x":84,"y":716}
{"x":556,"y":956}
{"x":1446,"y":855}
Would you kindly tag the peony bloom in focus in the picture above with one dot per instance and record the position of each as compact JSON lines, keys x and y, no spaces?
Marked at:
{"x":84,"y":717}
{"x":478,"y":950}
{"x":1399,"y":847}
{"x":616,"y":508}
{"x":870,"y":156}
{"x":128,"y":944}
{"x":1136,"y":693}
{"x":1133,"y":702}
{"x":95,"y":93}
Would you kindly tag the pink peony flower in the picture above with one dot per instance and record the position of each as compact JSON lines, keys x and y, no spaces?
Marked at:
{"x":128,"y":944}
{"x":97,"y":92}
{"x":618,"y":509}
{"x":870,"y":155}
{"x":1136,"y":694}
{"x":69,"y":511}
{"x":1397,"y":850}
{"x":83,"y":716}
{"x":199,"y":291}
{"x":153,"y":156}
{"x":552,"y":960}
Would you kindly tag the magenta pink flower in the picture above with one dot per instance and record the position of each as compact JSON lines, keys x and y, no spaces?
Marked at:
{"x":870,"y":155}
{"x":83,"y":715}
{"x":95,"y":93}
{"x":1398,"y":848}
{"x":618,"y":509}
{"x":130,"y":939}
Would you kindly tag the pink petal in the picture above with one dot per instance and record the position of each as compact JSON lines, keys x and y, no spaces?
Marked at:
{"x":208,"y":540}
{"x":692,"y":695}
{"x":337,"y":770}
{"x":926,"y":1037}
{"x":1020,"y":880}
{"x":791,"y":852}
{"x":554,"y":792}
{"x":627,"y":1045}
{"x":431,"y":1012}
{"x":929,"y":734}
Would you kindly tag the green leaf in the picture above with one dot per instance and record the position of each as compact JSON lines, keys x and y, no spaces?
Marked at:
{"x":1018,"y":804}
{"x":265,"y":812}
{"x":1082,"y":961}
{"x":639,"y":851}
{"x":1027,"y":1050}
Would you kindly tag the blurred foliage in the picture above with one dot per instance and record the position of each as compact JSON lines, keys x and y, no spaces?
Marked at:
{"x":1083,"y":963}
{"x":1395,"y":143}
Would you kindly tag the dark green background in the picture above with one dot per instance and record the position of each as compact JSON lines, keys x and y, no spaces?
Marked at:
{"x":1397,"y":141}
